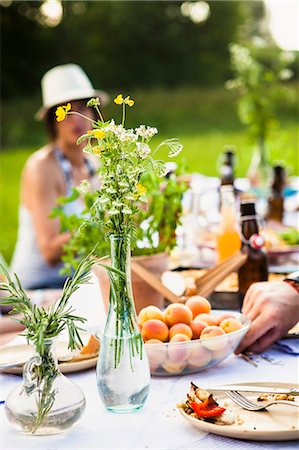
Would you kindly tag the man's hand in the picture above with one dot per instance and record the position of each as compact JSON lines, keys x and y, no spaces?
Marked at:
{"x":273,"y":308}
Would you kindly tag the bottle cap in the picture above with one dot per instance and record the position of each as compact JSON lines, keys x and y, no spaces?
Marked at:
{"x":256,"y":241}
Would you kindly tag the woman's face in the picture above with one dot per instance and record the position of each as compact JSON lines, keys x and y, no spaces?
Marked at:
{"x":74,"y":126}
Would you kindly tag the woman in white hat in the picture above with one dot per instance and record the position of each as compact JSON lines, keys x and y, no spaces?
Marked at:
{"x":50,"y":173}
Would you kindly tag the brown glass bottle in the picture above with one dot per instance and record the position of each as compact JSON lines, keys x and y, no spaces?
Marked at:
{"x":276,"y":200}
{"x":256,"y":267}
{"x":227,"y":168}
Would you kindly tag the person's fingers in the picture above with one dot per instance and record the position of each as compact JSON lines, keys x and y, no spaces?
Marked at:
{"x":254,"y":311}
{"x":265,"y":341}
{"x":253,"y":297}
{"x":258,"y":328}
{"x":248,"y":300}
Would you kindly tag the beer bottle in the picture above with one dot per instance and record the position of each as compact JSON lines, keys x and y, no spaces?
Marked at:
{"x":227,"y":168}
{"x":256,"y":267}
{"x":276,"y":200}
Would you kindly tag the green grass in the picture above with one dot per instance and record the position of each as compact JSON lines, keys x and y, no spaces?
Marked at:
{"x":204,"y":120}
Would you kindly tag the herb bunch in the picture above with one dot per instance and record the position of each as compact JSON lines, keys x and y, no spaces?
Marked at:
{"x":42,"y":326}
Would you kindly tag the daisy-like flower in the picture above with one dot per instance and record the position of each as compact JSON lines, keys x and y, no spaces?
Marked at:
{"x":96,"y":150}
{"x":119,"y":100}
{"x":99,"y":134}
{"x":128,"y":101}
{"x":61,"y":112}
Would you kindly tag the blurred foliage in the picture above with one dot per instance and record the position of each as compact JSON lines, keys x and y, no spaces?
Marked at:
{"x":118,"y":43}
{"x":260,"y":83}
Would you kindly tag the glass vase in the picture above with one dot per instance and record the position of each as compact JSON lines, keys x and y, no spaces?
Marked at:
{"x":123,"y":373}
{"x":259,"y":172}
{"x":46,"y":402}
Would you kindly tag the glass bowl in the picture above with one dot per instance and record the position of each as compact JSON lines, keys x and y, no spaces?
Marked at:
{"x":181,"y":358}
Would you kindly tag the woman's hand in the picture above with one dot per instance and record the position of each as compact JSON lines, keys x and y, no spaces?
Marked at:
{"x":273,"y":308}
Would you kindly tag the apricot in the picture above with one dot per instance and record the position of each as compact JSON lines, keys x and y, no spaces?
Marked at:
{"x":154,"y":329}
{"x":230,"y":324}
{"x":197,"y":327}
{"x":213,"y":331}
{"x":224,"y":316}
{"x":156,"y":355}
{"x":198,"y":305}
{"x":199,"y":357}
{"x":173,"y":367}
{"x":220,"y":354}
{"x":204,"y":317}
{"x":177,"y":313}
{"x":178,"y":353}
{"x":148,"y":313}
{"x":180,"y":328}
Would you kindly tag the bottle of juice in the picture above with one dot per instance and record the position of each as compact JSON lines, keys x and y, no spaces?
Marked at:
{"x":228,"y":239}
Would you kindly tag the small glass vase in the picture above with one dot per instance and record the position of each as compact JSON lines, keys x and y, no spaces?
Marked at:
{"x":123,"y":372}
{"x":260,"y":171}
{"x":46,"y":402}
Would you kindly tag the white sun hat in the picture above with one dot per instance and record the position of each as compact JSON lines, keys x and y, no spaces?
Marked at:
{"x":65,"y":83}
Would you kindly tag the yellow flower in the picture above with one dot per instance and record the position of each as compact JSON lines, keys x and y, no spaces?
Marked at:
{"x":129,"y":101}
{"x":96,"y":150}
{"x":141,"y":189}
{"x":89,"y":131}
{"x":99,"y":134}
{"x":61,"y":112}
{"x":119,"y":99}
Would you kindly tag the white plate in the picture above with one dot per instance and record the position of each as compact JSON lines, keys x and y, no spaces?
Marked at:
{"x":23,"y":352}
{"x":278,"y":423}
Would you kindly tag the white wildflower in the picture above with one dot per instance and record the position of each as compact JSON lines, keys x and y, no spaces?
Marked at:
{"x":84,"y":186}
{"x":123,"y":184}
{"x":174,"y":145}
{"x":130,"y":197}
{"x":142,"y":150}
{"x":117,"y":203}
{"x":104,"y":200}
{"x":146,"y":132}
{"x":126,"y":210}
{"x":113,"y":211}
{"x":110,"y":190}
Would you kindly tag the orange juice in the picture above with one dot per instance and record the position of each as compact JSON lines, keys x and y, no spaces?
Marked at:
{"x":228,"y":238}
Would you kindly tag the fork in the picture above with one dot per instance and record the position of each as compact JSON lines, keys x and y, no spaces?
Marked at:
{"x":245,"y":403}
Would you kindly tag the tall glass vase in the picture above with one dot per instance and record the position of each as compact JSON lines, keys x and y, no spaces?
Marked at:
{"x":46,"y":402}
{"x":259,"y":174}
{"x":123,"y":373}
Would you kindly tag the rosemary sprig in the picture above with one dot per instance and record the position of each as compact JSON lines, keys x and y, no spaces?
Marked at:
{"x":43,"y":325}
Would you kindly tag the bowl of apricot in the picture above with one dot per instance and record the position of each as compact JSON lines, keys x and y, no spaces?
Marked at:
{"x":187,"y":338}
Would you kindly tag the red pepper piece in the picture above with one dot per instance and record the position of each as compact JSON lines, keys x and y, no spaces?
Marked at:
{"x":206,"y":409}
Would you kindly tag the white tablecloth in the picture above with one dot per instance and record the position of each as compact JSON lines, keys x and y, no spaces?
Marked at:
{"x":159,"y":424}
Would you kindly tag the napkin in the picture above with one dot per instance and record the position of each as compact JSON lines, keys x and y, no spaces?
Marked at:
{"x":290,"y":346}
